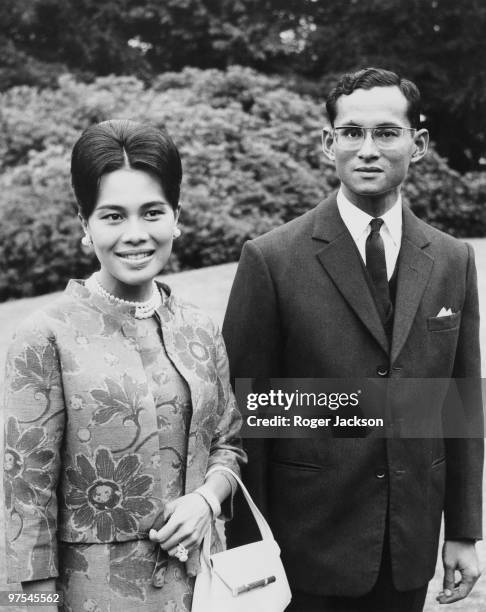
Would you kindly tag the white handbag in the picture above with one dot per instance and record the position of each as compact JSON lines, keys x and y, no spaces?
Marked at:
{"x":249,"y":578}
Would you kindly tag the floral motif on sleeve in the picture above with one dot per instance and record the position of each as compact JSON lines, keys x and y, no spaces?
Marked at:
{"x":34,"y":425}
{"x":225,"y":446}
{"x":26,"y":460}
{"x":107,"y":495}
{"x":35,"y":368}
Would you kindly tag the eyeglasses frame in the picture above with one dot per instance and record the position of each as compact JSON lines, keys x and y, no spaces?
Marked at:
{"x":326,"y":131}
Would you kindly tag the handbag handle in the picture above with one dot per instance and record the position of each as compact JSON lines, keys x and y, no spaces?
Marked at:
{"x":263,"y":526}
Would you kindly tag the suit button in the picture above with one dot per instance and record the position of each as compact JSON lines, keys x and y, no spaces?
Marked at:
{"x":382,"y":371}
{"x":380,"y":474}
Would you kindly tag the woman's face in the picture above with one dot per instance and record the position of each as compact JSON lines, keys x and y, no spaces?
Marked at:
{"x":131,"y":228}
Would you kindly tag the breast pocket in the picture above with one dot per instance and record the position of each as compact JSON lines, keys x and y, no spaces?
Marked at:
{"x":443,"y":324}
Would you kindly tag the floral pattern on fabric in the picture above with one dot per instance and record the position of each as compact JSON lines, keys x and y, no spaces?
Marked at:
{"x":108,"y":495}
{"x":193,"y":345}
{"x":130,"y":570}
{"x":33,"y":371}
{"x":117,"y":577}
{"x":118,"y":399}
{"x":26,"y":460}
{"x":86,"y":390}
{"x":73,"y":560}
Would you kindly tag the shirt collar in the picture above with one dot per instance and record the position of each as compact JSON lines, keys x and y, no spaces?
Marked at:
{"x":357,"y":221}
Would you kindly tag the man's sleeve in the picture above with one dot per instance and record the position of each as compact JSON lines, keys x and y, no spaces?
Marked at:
{"x":465,"y":456}
{"x":252,"y":334}
{"x":251,"y":327}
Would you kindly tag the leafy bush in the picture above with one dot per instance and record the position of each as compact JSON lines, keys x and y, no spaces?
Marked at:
{"x":251,"y":155}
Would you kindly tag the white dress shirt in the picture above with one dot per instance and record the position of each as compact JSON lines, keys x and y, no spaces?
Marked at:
{"x":358,"y":224}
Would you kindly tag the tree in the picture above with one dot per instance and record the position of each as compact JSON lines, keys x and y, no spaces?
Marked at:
{"x":440,"y":44}
{"x":84,"y":36}
{"x":140,"y":37}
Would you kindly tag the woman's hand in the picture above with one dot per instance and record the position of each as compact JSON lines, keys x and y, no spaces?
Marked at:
{"x":186,"y":521}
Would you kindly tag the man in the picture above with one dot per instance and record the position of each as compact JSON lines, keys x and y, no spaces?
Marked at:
{"x":359,"y":287}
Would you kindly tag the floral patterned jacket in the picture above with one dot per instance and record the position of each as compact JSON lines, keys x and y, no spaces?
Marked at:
{"x":81,"y":430}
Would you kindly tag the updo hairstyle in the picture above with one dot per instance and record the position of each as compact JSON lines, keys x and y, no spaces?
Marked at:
{"x":115,"y":144}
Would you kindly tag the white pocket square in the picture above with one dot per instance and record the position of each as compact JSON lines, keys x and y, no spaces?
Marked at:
{"x":445,"y":312}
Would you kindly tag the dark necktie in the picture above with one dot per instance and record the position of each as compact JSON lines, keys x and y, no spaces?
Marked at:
{"x":376,"y":266}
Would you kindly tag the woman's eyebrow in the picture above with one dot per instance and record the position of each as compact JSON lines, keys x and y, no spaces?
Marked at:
{"x":155,"y":202}
{"x":120,"y":207}
{"x":110,"y":207}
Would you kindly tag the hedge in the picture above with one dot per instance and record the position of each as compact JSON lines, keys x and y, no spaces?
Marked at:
{"x":251,"y":155}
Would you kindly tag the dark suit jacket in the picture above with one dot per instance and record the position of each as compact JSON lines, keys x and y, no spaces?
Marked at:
{"x":301,"y":307}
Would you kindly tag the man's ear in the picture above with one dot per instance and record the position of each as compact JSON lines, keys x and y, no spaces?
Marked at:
{"x":328,"y":143}
{"x":421,"y":144}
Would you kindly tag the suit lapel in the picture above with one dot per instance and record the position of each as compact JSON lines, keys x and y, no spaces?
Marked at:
{"x":341,"y":260}
{"x":414,"y":268}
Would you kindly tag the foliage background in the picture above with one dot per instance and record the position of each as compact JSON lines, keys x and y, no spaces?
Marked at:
{"x":440,"y":44}
{"x":249,"y":134}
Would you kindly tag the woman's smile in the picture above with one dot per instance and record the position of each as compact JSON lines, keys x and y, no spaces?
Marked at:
{"x":136,"y":256}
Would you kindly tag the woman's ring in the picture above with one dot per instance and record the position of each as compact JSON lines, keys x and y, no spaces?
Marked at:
{"x":181,"y":553}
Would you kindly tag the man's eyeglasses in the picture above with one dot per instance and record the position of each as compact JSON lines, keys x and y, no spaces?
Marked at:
{"x":352,"y":137}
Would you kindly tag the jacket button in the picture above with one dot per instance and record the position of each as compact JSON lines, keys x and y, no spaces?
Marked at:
{"x":380,"y":474}
{"x":382,"y":371}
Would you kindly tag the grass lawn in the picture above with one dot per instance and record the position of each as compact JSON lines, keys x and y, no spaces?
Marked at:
{"x":209,"y":288}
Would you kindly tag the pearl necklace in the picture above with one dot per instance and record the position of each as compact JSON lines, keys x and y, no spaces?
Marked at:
{"x":143,"y":310}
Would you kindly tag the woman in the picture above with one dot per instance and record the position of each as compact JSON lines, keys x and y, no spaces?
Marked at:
{"x":118,"y":400}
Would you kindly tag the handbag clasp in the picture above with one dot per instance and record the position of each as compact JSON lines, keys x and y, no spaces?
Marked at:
{"x":253,"y":585}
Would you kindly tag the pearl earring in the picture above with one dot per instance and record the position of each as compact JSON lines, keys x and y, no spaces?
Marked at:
{"x":177,"y":232}
{"x":86,"y":241}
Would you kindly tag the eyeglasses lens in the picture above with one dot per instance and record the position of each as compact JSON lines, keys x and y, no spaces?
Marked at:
{"x":352,"y":138}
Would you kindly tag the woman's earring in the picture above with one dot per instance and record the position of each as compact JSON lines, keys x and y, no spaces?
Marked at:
{"x":177,"y":232}
{"x":86,"y":241}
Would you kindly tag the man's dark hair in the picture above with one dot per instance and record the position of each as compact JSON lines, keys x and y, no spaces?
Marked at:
{"x":375,"y":77}
{"x":116,"y":144}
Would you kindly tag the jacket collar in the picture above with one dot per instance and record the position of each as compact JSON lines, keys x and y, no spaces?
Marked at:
{"x":124,"y":312}
{"x":414,"y":267}
{"x":340,"y":258}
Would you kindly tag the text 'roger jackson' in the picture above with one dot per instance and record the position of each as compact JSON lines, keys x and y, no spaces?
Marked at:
{"x":310,"y":422}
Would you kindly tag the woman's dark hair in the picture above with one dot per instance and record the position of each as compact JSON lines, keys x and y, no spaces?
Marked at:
{"x":375,"y":77}
{"x":115,"y":144}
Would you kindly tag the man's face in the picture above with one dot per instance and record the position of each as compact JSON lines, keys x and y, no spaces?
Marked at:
{"x":371,"y":171}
